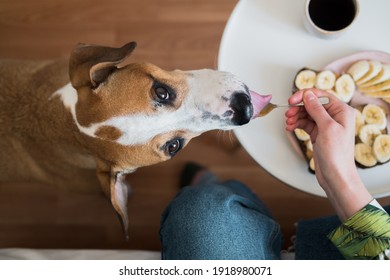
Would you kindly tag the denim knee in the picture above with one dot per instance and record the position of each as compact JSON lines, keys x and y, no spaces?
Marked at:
{"x":218,"y":222}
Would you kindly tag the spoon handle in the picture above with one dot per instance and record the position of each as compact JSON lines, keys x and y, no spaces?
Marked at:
{"x":323,"y":100}
{"x":270,"y":106}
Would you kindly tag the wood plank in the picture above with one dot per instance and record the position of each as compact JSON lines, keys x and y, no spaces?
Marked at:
{"x":173,"y":34}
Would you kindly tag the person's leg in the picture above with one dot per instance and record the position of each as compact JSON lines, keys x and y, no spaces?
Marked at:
{"x":218,"y":221}
{"x":311,"y":241}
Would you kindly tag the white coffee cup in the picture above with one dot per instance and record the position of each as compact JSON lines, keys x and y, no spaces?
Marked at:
{"x":329,"y":19}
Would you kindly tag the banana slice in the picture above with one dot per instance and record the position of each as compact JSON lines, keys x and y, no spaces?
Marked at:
{"x":374,"y":115}
{"x":364,"y":155}
{"x":375,"y":68}
{"x":368,"y":133}
{"x":309,"y":145}
{"x":305,"y":79}
{"x":312,"y":164}
{"x":309,"y":149}
{"x":381,"y":148}
{"x":383,"y":86}
{"x":325,"y":80}
{"x":359,"y":121}
{"x":345,"y":87}
{"x":301,"y":134}
{"x":378,"y":94}
{"x":359,"y":69}
{"x":382,"y":76}
{"x":331,"y":91}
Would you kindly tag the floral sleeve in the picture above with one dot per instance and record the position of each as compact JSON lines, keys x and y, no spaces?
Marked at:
{"x":365,"y":235}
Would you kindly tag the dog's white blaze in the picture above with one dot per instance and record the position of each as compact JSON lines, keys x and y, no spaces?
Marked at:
{"x":208,"y":87}
{"x":202,"y":110}
{"x":140,"y":128}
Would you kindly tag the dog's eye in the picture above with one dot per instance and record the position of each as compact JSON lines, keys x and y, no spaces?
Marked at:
{"x":172,"y":147}
{"x":162,"y":93}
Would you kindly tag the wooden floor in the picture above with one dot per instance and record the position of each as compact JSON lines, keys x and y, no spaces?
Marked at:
{"x":173,"y":34}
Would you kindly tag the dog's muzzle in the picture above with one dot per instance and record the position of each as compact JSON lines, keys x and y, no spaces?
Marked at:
{"x":241,"y":105}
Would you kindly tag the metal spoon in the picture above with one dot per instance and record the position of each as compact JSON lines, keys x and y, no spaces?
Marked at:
{"x":270,"y":106}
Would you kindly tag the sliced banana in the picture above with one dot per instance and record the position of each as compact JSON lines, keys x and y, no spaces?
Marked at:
{"x":368,"y":133}
{"x":373,"y":80}
{"x":325,"y":80}
{"x":382,"y":76}
{"x":309,"y":145}
{"x":309,"y":149}
{"x":375,"y":68}
{"x":381,"y":148}
{"x":305,"y":79}
{"x":378,"y":94}
{"x":359,"y":69}
{"x":359,"y":121}
{"x":301,"y":134}
{"x":374,"y":115}
{"x":331,"y":91}
{"x":345,"y":88}
{"x":364,"y":155}
{"x":377,"y":87}
{"x":312,"y":164}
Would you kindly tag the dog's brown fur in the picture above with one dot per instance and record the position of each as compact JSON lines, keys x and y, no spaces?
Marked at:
{"x":40,"y":136}
{"x":30,"y":147}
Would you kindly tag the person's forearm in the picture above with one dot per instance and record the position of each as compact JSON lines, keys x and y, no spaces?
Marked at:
{"x":348,"y":195}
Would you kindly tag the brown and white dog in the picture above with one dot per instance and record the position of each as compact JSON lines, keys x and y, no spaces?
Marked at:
{"x":108,"y":119}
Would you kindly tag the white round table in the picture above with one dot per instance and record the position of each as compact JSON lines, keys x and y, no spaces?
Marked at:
{"x":265,"y":44}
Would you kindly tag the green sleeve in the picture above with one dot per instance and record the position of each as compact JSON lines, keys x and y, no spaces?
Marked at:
{"x":365,"y":235}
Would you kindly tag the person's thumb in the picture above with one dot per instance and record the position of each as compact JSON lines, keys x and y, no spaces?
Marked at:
{"x":314,"y":108}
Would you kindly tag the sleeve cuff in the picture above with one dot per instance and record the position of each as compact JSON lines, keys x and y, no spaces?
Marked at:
{"x":364,"y":235}
{"x":375,"y":203}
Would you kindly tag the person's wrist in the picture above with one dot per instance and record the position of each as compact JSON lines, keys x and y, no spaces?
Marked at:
{"x":347,"y":194}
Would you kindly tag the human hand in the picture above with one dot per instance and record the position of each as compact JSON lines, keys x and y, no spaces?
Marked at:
{"x":332,"y":131}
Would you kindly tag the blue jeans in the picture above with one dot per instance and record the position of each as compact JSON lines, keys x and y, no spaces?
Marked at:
{"x":227,"y":220}
{"x":219,"y":221}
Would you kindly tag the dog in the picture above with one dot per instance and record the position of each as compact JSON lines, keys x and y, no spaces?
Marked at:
{"x":91,"y":120}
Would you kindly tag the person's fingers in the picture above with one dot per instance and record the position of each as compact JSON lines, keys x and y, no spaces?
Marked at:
{"x":305,"y":124}
{"x":292,"y":111}
{"x":296,"y":97}
{"x":315,"y":109}
{"x":294,"y":118}
{"x":350,"y":117}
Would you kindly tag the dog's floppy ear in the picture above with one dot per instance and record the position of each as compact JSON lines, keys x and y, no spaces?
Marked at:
{"x":89,"y":65}
{"x":116,"y":188}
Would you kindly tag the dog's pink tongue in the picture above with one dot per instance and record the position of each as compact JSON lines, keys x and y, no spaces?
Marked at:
{"x":259,"y":102}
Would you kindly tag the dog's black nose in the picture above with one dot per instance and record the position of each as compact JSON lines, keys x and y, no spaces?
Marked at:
{"x":242,"y":107}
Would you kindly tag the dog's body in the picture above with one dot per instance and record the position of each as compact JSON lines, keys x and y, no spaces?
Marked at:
{"x":107,"y":120}
{"x":37,"y":135}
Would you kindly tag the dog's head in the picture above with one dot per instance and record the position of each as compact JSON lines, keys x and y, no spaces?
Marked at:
{"x":139,"y":114}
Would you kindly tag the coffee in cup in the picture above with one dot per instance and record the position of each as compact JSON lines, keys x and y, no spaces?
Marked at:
{"x":330,"y":18}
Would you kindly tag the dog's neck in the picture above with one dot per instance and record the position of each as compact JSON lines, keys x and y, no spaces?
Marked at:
{"x":27,"y":103}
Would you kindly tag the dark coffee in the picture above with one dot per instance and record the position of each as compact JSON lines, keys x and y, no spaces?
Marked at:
{"x":332,"y":15}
